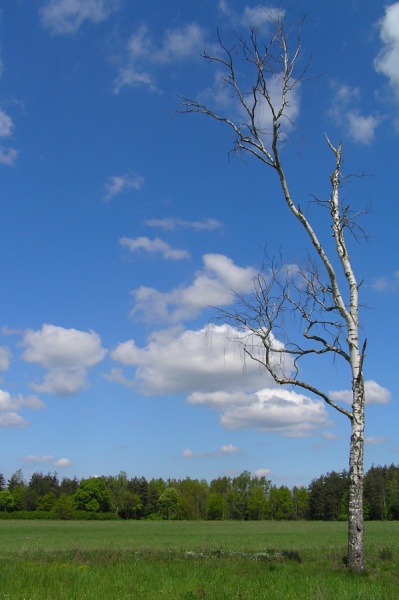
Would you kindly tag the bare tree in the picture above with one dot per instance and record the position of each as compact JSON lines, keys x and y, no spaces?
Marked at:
{"x":320,"y":292}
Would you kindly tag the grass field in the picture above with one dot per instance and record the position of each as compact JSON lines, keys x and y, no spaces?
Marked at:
{"x":52,"y":560}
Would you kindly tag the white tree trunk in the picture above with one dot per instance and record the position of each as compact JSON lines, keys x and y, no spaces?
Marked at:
{"x":328,"y":302}
{"x":356,"y":475}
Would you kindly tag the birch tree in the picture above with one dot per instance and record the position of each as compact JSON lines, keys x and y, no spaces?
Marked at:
{"x":320,"y":291}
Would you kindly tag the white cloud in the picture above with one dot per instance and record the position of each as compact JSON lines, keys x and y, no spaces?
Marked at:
{"x":62,"y":382}
{"x":223,"y":451}
{"x":67,"y":16}
{"x":190,"y":360}
{"x":62,"y":463}
{"x":227,"y":449}
{"x":6,"y":125}
{"x":224,"y":7}
{"x":56,"y":347}
{"x":268,"y":410}
{"x":187,"y":453}
{"x":260,"y":15}
{"x":291,"y":111}
{"x":8,"y":331}
{"x":155,"y":246}
{"x":221,"y":400}
{"x":135,"y":71}
{"x":5,"y":357}
{"x":208,"y":365}
{"x":8,"y":156}
{"x":48,"y":458}
{"x":117,"y":376}
{"x":385,"y":284}
{"x":33,"y":458}
{"x":331,"y":437}
{"x":121,"y":183}
{"x":9,"y":406}
{"x":262,"y":473}
{"x":361,"y":128}
{"x":12,"y":419}
{"x":182,"y":43}
{"x":387,"y":60}
{"x":254,"y":16}
{"x":66,"y":353}
{"x":144,"y":56}
{"x":221,"y":96}
{"x":8,"y":403}
{"x":213,"y":286}
{"x":375,"y":441}
{"x":346,"y":114}
{"x":172,"y":224}
{"x":374,"y":393}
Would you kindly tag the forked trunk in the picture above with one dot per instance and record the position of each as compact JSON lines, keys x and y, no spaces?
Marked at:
{"x":356,"y":476}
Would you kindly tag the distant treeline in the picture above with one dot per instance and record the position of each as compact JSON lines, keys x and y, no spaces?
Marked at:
{"x":239,"y":498}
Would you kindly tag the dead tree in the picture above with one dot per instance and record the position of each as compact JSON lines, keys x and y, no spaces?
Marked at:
{"x":321,"y":291}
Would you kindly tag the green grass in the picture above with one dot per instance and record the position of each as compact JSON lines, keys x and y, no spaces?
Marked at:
{"x":192,"y":560}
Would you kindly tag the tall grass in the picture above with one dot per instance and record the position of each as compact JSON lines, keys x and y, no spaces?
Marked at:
{"x":190,"y":560}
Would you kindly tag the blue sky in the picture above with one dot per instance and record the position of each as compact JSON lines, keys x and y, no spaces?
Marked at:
{"x":123,"y":220}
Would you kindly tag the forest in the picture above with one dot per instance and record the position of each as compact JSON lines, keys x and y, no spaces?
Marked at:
{"x":244,"y":497}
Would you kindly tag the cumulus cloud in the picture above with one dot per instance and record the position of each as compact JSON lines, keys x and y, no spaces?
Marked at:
{"x":5,"y":357}
{"x":62,"y":382}
{"x":362,"y":128}
{"x":374,"y":393}
{"x":155,"y":246}
{"x":48,"y":458}
{"x":6,"y":125}
{"x":57,"y":347}
{"x":34,"y":458}
{"x":268,"y":410}
{"x":220,"y":96}
{"x":67,"y":354}
{"x":346,"y":114}
{"x":375,"y":441}
{"x":116,"y":375}
{"x":118,"y":184}
{"x":143,"y":55}
{"x":8,"y":403}
{"x":261,"y":14}
{"x":386,"y":284}
{"x":12,"y":420}
{"x":67,"y":16}
{"x":208,"y":366}
{"x":184,"y":361}
{"x":172,"y":224}
{"x":9,"y":406}
{"x":211,"y":364}
{"x":262,"y":473}
{"x":213,"y":286}
{"x":62,"y":463}
{"x":387,"y":60}
{"x":328,"y":436}
{"x":254,"y":16}
{"x":8,"y":155}
{"x":223,"y":451}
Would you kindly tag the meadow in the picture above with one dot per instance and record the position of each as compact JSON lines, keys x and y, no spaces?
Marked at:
{"x":189,"y":560}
